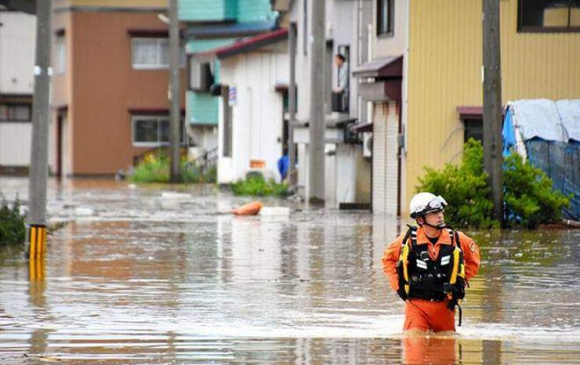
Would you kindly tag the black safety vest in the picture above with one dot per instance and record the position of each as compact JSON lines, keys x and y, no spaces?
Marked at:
{"x":425,"y":278}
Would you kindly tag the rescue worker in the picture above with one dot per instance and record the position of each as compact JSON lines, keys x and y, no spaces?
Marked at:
{"x":429,"y":266}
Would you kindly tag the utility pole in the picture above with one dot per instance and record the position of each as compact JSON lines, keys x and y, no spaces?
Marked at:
{"x":292,"y":104}
{"x":174,"y":94}
{"x":492,"y":109}
{"x":36,"y":216}
{"x":316,"y":123}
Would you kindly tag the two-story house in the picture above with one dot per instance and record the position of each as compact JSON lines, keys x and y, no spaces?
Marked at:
{"x":434,"y":49}
{"x":109,"y":84}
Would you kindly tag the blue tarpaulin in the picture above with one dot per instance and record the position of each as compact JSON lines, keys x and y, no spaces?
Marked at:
{"x":550,"y":132}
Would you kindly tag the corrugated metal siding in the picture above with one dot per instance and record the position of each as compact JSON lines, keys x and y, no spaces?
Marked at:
{"x":445,"y":59}
{"x":379,"y":187}
{"x":207,"y":10}
{"x":255,"y":10}
{"x":385,"y":167}
{"x":202,"y":108}
{"x":219,"y":10}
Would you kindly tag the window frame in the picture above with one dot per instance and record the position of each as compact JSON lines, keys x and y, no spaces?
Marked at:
{"x":541,"y":29}
{"x":157,"y":118}
{"x":390,"y":31}
{"x":159,"y":65}
{"x":10,"y":118}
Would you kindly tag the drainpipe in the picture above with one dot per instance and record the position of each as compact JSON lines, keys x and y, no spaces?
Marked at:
{"x":174,"y":93}
{"x":292,"y":173}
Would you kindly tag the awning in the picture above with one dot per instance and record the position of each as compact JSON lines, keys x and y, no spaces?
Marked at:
{"x":470,"y":112}
{"x":383,"y":67}
{"x":362,"y":127}
{"x":247,"y":44}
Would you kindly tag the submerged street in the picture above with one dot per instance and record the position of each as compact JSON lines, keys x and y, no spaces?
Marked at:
{"x":166,"y":275}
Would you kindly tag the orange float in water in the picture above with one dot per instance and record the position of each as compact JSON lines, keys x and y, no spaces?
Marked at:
{"x":252,"y":208}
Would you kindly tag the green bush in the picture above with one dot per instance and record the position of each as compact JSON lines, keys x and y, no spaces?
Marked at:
{"x":12,"y":228}
{"x":210,"y":176}
{"x":258,"y":186}
{"x":528,"y":196}
{"x":156,"y":169}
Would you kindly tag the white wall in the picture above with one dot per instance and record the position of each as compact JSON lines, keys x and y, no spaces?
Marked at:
{"x":15,"y":144}
{"x":17,"y":43}
{"x":257,"y":114}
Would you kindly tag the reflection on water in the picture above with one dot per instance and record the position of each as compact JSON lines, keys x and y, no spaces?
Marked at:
{"x":140,"y":276}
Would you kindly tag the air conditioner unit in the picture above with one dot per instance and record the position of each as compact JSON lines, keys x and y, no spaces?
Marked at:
{"x":367,"y":144}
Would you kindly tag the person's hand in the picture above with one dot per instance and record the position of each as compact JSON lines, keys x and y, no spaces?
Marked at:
{"x":401,"y":293}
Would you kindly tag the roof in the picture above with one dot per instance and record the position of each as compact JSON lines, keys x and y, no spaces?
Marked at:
{"x":27,"y":6}
{"x":391,"y":66}
{"x":248,"y":44}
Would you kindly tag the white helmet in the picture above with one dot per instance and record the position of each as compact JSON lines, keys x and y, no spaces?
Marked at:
{"x":424,"y":203}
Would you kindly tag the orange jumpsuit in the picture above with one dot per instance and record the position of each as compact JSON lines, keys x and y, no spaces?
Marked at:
{"x":424,"y":314}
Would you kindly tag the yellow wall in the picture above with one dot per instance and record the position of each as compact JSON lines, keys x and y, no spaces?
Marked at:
{"x":444,"y":72}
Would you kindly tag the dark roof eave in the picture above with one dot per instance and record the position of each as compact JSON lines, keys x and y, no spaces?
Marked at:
{"x":230,"y":30}
{"x":386,"y":67}
{"x":246,"y":45}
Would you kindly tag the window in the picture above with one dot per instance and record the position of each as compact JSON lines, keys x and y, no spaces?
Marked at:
{"x":549,"y":15}
{"x":15,"y":112}
{"x":152,"y":131}
{"x":152,"y":53}
{"x":60,"y":62}
{"x":473,"y":129}
{"x":385,"y":17}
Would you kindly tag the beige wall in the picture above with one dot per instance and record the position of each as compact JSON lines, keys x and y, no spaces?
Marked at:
{"x":100,"y":87}
{"x":444,"y":71}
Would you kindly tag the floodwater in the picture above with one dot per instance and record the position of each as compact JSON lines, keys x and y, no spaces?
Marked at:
{"x":165,"y":275}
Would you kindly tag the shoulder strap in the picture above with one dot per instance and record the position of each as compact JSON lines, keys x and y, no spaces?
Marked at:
{"x":411,"y":232}
{"x":454,"y":236}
